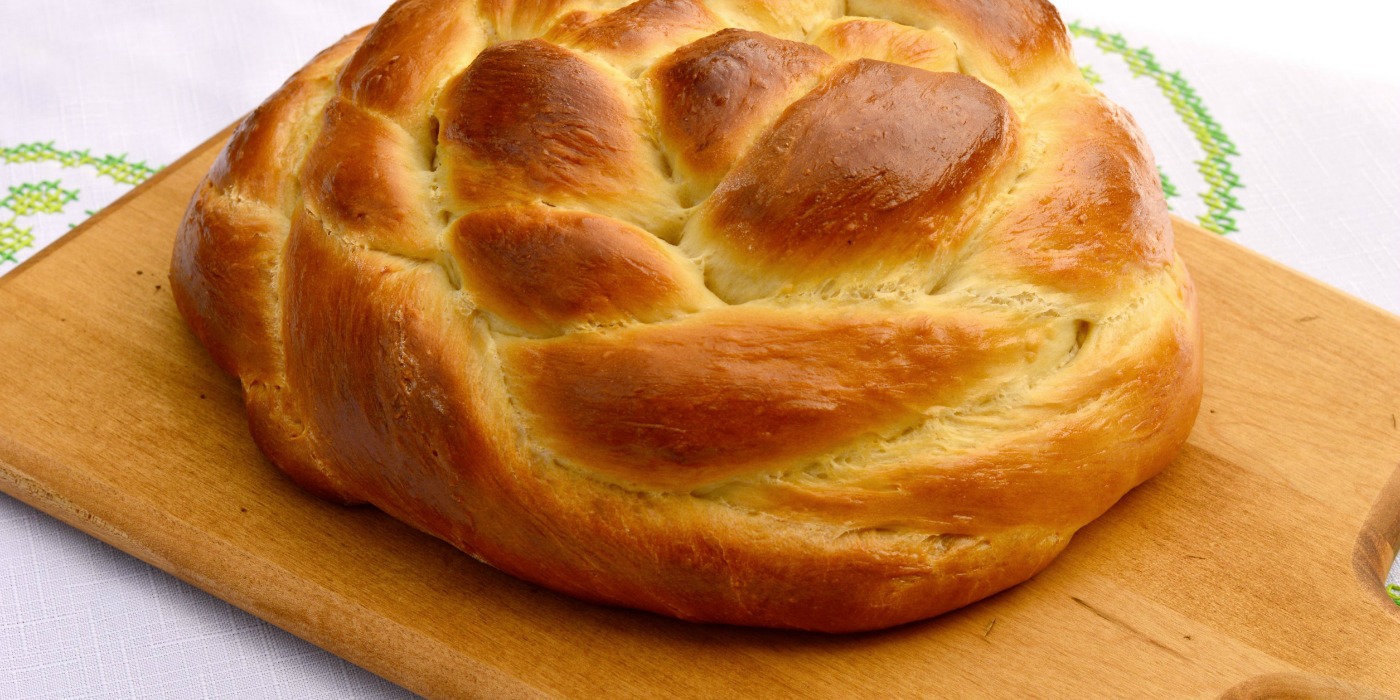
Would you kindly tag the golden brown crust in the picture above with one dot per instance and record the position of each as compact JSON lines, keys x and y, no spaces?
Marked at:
{"x":545,"y":270}
{"x":530,"y":121}
{"x":1091,"y":210}
{"x":1005,"y":40}
{"x":741,"y":390}
{"x":787,"y":19}
{"x":269,"y":143}
{"x":851,"y":38}
{"x":715,"y":95}
{"x":863,"y":164}
{"x":635,"y":35}
{"x":541,"y":122}
{"x":413,"y":48}
{"x":492,"y":284}
{"x":522,"y":19}
{"x":360,"y":177}
{"x":224,"y":266}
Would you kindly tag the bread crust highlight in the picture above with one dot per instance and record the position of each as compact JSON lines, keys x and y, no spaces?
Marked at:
{"x":792,"y":313}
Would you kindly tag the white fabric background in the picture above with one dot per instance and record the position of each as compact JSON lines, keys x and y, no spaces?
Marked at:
{"x":1311,"y":101}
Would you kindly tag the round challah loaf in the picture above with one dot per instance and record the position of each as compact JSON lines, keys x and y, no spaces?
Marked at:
{"x":794,"y":313}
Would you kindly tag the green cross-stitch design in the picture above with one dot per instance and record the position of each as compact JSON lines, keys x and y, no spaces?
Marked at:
{"x":1216,"y":168}
{"x":26,"y":200}
{"x":49,"y":197}
{"x":13,"y":239}
{"x":1091,"y":75}
{"x":29,"y":199}
{"x":46,"y":197}
{"x":1168,"y":187}
{"x":115,"y":168}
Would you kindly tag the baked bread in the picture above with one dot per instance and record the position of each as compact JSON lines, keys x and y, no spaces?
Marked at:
{"x":788,"y":313}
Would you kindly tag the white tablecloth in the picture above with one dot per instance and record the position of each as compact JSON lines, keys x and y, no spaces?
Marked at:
{"x":1279,"y":129}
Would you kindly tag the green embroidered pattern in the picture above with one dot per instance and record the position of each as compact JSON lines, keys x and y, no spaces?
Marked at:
{"x":13,"y":239}
{"x":116,"y":168}
{"x":1091,"y":75}
{"x":1393,"y":590}
{"x":29,"y":199}
{"x":1168,"y":188}
{"x":49,"y":197}
{"x":1216,"y":168}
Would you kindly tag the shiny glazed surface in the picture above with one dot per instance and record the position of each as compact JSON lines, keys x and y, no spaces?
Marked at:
{"x":786,"y":313}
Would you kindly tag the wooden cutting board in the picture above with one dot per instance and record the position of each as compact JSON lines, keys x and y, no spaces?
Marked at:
{"x":1250,"y":568}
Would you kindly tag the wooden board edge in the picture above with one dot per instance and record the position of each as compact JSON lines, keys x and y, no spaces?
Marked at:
{"x":213,"y":142}
{"x":1279,"y":686}
{"x":302,"y":612}
{"x":1378,"y":541}
{"x":1377,"y":544}
{"x":1179,"y":224}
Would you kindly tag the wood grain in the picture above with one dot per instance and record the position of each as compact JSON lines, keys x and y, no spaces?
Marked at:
{"x":1252,"y":566}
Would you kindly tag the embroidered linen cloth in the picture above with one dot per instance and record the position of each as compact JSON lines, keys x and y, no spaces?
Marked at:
{"x":1280,"y":132}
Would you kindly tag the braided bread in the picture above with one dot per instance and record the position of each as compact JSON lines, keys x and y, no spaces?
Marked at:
{"x":791,"y":313}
